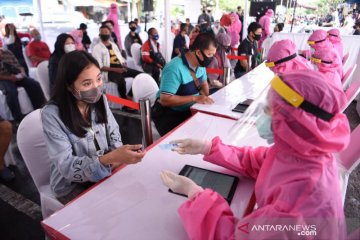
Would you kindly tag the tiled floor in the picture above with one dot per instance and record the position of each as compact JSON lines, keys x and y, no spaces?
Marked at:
{"x":20,"y":213}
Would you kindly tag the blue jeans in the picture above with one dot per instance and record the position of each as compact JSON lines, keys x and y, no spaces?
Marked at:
{"x":32,"y":88}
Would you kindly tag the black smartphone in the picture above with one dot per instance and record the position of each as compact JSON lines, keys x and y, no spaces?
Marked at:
{"x":241,"y":107}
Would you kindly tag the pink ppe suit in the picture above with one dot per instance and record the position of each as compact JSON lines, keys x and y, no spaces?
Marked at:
{"x":234,"y":30}
{"x":296,"y":179}
{"x":320,"y":37}
{"x":113,"y":16}
{"x":265,"y":22}
{"x":331,"y":70}
{"x":335,"y":39}
{"x":282,"y":49}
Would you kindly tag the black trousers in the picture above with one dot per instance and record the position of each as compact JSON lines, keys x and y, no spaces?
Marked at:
{"x":153,"y":70}
{"x":32,"y":88}
{"x":119,"y":79}
{"x":166,"y":119}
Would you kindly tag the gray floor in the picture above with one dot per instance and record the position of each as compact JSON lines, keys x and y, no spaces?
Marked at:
{"x":20,"y":213}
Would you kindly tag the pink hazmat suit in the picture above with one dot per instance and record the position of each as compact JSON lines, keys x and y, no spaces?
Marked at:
{"x":234,"y":30}
{"x":335,"y":39}
{"x":265,"y":22}
{"x":297,"y":180}
{"x":320,"y":39}
{"x":78,"y":36}
{"x":282,"y":49}
{"x":113,"y":16}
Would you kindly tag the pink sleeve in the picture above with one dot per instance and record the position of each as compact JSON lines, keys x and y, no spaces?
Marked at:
{"x":208,"y":216}
{"x":245,"y":160}
{"x":267,"y":26}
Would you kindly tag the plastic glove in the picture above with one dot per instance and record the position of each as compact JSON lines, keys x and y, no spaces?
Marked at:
{"x":192,"y":146}
{"x":180,"y":184}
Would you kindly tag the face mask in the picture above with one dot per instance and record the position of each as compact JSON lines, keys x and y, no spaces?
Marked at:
{"x":207,"y":60}
{"x":90,"y":96}
{"x":257,"y":37}
{"x":69,"y":48}
{"x":228,"y":49}
{"x":156,"y":37}
{"x":37,"y":38}
{"x":263,"y":125}
{"x":104,"y":37}
{"x":133,"y":29}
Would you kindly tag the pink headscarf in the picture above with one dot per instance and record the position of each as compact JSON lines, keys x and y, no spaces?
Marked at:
{"x":234,"y":30}
{"x":78,"y":36}
{"x":282,"y":49}
{"x":113,"y":16}
{"x":335,"y":39}
{"x":320,"y":39}
{"x":269,"y":13}
{"x":334,"y":69}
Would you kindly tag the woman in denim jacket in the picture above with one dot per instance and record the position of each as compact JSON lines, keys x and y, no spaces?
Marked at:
{"x":81,"y":133}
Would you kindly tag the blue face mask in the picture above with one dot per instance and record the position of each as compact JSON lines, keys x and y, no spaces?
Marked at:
{"x":263,"y":125}
{"x":156,"y":37}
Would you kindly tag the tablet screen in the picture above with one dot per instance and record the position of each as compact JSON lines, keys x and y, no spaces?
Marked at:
{"x":221,"y":183}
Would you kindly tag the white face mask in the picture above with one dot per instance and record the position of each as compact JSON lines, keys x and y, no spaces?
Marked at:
{"x":69,"y":48}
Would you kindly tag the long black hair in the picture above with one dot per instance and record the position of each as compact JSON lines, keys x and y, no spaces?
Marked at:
{"x":60,"y":43}
{"x":70,"y":67}
{"x":7,"y":33}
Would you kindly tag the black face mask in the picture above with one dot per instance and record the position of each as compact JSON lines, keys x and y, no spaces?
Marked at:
{"x":257,"y":36}
{"x":207,"y":60}
{"x":132,"y":29}
{"x":104,"y":37}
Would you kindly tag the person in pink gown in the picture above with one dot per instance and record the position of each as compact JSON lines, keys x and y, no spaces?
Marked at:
{"x":282,"y":58}
{"x":297,"y":182}
{"x":265,"y":22}
{"x":113,"y":16}
{"x":335,"y":39}
{"x":234,"y":30}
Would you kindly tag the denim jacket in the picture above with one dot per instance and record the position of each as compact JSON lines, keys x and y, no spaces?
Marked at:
{"x":76,"y":160}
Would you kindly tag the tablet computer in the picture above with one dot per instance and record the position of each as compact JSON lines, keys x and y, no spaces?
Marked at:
{"x":221,"y":183}
{"x":241,"y":107}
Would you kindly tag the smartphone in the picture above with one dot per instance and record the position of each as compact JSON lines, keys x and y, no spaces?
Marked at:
{"x":241,"y":107}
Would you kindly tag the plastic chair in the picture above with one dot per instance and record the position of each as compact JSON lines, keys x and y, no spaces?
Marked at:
{"x":24,"y":101}
{"x":112,"y":89}
{"x":348,"y":160}
{"x":345,"y":58}
{"x":43,"y":78}
{"x":144,"y":86}
{"x":32,"y":146}
{"x":352,"y":92}
{"x":32,"y":69}
{"x":136,"y":54}
{"x":348,"y":76}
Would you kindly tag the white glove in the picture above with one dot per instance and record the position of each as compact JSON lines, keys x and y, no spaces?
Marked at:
{"x":180,"y":184}
{"x":217,"y":84}
{"x":192,"y":146}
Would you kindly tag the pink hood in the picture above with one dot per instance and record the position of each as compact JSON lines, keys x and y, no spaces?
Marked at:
{"x":321,"y":37}
{"x":335,"y":39}
{"x":282,"y":49}
{"x":113,"y":16}
{"x":302,"y":134}
{"x":329,"y":55}
{"x":234,"y":30}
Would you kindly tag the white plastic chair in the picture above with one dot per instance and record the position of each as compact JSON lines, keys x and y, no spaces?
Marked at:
{"x":24,"y":101}
{"x":348,"y":160}
{"x":144,"y":86}
{"x":32,"y":146}
{"x":136,"y":54}
{"x":348,"y":76}
{"x":352,"y":92}
{"x":345,"y":58}
{"x":112,"y":89}
{"x":32,"y":69}
{"x":43,"y":78}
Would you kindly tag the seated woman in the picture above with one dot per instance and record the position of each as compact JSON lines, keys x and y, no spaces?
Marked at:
{"x":64,"y":43}
{"x":81,"y":133}
{"x":220,"y":60}
{"x":297,"y":180}
{"x":328,"y":62}
{"x":282,"y":58}
{"x":335,"y":39}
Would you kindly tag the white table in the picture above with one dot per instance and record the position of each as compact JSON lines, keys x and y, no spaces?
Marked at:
{"x":226,"y":98}
{"x":133,"y":203}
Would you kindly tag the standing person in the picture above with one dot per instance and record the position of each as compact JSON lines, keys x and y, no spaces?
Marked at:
{"x":131,"y":38}
{"x":194,"y":33}
{"x":234,"y":30}
{"x":112,"y":64}
{"x":265,"y":22}
{"x":152,"y":58}
{"x":13,"y":43}
{"x":86,"y":39}
{"x":211,"y":16}
{"x":183,"y":83}
{"x":240,"y":13}
{"x":204,"y":17}
{"x":138,"y":27}
{"x":357,"y":28}
{"x":64,"y":43}
{"x":81,"y":133}
{"x":190,"y":27}
{"x":5,"y":138}
{"x":179,"y":45}
{"x":12,"y":76}
{"x":297,"y":178}
{"x":335,"y":39}
{"x":78,"y":36}
{"x":248,"y":47}
{"x":113,"y":16}
{"x":37,"y":50}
